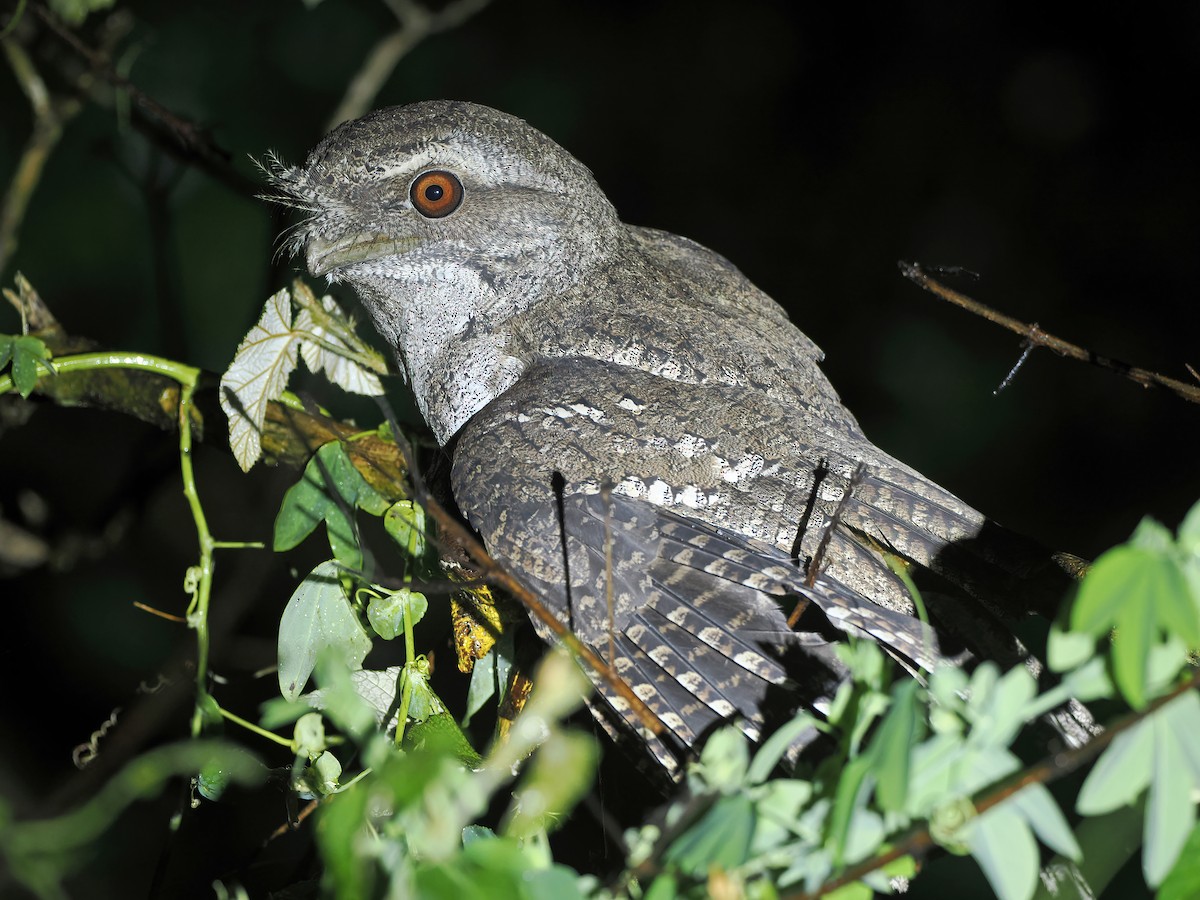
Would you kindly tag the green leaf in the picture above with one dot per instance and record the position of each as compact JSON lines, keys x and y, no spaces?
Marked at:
{"x":1130,"y":654}
{"x":1118,"y":575}
{"x":1171,"y":812}
{"x":495,"y":869}
{"x":721,"y":838}
{"x":854,"y":891}
{"x":386,"y":612}
{"x":375,"y":688}
{"x":405,"y":522}
{"x":1120,"y":774}
{"x":774,"y":747}
{"x":327,"y":771}
{"x":1189,"y":532}
{"x":1182,"y":715}
{"x":1038,"y":807}
{"x":1066,"y":649}
{"x":664,"y":887}
{"x":562,"y":771}
{"x":1140,"y":590}
{"x":483,"y":685}
{"x":422,"y":701}
{"x":30,"y":357}
{"x":308,"y":736}
{"x":341,"y":695}
{"x":891,"y":748}
{"x":329,"y":491}
{"x":1003,"y":845}
{"x":75,"y":11}
{"x":343,"y":827}
{"x":724,"y":760}
{"x":846,"y":800}
{"x":1183,"y":881}
{"x":439,"y":730}
{"x":317,"y":618}
{"x":778,"y":804}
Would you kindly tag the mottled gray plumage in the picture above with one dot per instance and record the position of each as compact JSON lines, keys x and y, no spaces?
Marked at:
{"x":630,"y":417}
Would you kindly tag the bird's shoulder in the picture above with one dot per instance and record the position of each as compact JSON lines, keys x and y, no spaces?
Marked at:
{"x":671,"y":307}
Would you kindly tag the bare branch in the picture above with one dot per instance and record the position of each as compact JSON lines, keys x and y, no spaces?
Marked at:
{"x":1036,"y":337}
{"x":49,"y":117}
{"x":416,"y":24}
{"x":180,"y":136}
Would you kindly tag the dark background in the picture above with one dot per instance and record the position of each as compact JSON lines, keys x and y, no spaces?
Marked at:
{"x":1051,"y":152}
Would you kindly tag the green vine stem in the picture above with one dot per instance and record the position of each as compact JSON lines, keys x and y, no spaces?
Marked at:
{"x":200,"y":576}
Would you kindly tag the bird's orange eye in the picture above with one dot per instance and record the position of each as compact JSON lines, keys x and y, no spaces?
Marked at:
{"x":436,"y":194}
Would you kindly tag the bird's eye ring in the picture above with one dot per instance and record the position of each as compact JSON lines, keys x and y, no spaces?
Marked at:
{"x":436,"y":194}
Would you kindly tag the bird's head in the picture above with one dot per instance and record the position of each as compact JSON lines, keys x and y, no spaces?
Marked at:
{"x":441,"y":186}
{"x":449,"y":219}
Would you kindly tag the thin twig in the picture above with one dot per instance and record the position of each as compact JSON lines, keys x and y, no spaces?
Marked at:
{"x":177,"y":134}
{"x":49,"y":117}
{"x":416,"y":24}
{"x":1036,"y":337}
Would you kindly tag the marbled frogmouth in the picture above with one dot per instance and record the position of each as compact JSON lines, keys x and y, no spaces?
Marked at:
{"x":636,"y":430}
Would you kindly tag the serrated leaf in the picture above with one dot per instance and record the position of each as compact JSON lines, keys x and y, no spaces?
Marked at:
{"x":331,"y":354}
{"x":341,"y":690}
{"x":1120,"y":774}
{"x":1170,"y":812}
{"x":258,"y":374}
{"x":375,"y":687}
{"x":318,"y":618}
{"x":1002,"y":844}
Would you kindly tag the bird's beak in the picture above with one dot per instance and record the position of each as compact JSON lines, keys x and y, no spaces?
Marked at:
{"x":324,"y":256}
